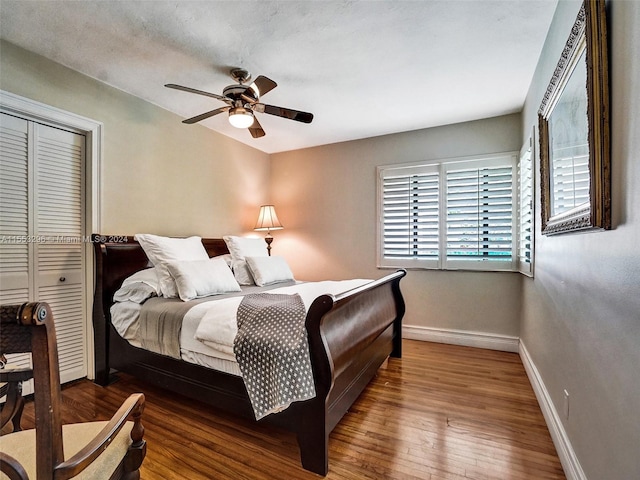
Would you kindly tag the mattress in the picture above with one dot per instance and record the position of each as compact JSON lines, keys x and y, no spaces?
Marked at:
{"x":125,"y":315}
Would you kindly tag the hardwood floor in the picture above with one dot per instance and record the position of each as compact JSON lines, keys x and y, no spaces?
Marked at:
{"x":440,"y":412}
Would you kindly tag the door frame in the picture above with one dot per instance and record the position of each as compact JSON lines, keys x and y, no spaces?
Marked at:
{"x":93,"y":131}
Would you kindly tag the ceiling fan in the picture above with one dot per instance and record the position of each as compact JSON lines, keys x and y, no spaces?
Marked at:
{"x":243,"y":100}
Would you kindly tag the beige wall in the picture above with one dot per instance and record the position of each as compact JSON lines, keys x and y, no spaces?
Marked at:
{"x":158,"y":175}
{"x":581,"y":313}
{"x":326,"y":198}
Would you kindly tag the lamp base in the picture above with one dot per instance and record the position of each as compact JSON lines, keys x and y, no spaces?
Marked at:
{"x":268,"y":239}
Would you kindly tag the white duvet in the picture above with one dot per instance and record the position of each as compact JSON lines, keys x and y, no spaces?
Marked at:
{"x":217,"y":325}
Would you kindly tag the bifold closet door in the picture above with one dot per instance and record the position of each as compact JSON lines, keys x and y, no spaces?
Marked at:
{"x":14,"y":210}
{"x":58,"y":251}
{"x":15,"y":251}
{"x":42,"y":229}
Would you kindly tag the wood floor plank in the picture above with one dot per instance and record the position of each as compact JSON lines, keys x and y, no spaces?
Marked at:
{"x":442,"y":412}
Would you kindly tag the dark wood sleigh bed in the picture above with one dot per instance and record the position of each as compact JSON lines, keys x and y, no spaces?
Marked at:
{"x":350,"y":336}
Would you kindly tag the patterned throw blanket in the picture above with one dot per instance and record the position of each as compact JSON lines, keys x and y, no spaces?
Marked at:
{"x":272,"y":351}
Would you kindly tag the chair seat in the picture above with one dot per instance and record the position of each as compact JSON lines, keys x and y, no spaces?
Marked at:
{"x":21,"y":446}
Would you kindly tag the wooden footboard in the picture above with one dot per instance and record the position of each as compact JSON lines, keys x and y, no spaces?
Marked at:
{"x":350,"y":336}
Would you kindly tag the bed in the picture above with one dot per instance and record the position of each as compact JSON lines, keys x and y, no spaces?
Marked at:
{"x":343,"y":363}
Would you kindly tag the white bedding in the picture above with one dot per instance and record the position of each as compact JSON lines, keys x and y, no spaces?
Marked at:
{"x":194,"y":351}
{"x":209,"y":328}
{"x":217,"y":326}
{"x":125,"y":315}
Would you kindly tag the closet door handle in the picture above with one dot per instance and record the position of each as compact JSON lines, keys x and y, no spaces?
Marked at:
{"x":62,"y":279}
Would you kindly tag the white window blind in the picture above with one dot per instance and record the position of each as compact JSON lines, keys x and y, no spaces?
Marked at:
{"x":453,"y":214}
{"x":479,"y":215}
{"x":526,"y":235}
{"x":410,"y":215}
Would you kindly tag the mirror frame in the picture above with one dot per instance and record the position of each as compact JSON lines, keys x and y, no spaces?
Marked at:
{"x":588,"y":33}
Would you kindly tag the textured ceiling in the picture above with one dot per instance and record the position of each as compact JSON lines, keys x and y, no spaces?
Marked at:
{"x":363,"y":68}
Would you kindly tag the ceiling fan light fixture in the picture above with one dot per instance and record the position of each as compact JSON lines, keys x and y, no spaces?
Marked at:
{"x":242,"y":103}
{"x":240,"y":117}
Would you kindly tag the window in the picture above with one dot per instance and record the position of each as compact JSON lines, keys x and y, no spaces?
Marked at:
{"x":450,"y":214}
{"x":410,"y":211}
{"x":525,"y":209}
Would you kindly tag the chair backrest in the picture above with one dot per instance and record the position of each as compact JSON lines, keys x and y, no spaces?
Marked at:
{"x":30,"y":328}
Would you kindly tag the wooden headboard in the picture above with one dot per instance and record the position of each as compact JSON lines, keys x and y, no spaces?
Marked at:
{"x":118,"y":257}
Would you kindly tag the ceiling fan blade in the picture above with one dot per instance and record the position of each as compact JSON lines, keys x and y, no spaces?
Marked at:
{"x":258,"y":88}
{"x":263,"y":85}
{"x":296,"y":115}
{"x":206,"y":115}
{"x":199,"y":92}
{"x":256,"y":129}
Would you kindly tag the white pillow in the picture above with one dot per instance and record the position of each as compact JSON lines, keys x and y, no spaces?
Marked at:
{"x":227,"y":258}
{"x":240,"y":248}
{"x":139,"y":287}
{"x":162,"y":250}
{"x":269,"y":270}
{"x":201,"y":278}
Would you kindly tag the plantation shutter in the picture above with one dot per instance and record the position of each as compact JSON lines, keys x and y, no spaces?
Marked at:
{"x":453,"y":214}
{"x":479,"y":215}
{"x":410,"y":216}
{"x":525,"y":211}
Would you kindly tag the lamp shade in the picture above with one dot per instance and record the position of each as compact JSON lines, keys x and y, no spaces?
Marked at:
{"x":267,"y":219}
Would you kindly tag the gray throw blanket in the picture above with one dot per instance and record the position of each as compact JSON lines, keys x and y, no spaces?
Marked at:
{"x":160,"y":325}
{"x":272,"y":351}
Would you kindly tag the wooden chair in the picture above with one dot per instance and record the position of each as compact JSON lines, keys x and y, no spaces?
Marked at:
{"x":11,"y":378}
{"x":111,"y":449}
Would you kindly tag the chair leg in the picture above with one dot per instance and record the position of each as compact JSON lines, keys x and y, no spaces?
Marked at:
{"x":12,"y":409}
{"x":17,"y":417}
{"x":135,"y":475}
{"x":138,"y":448}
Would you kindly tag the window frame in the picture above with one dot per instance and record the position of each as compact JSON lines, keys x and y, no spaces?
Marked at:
{"x":442,"y":166}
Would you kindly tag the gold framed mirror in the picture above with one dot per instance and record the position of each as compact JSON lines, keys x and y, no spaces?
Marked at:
{"x":573,"y":122}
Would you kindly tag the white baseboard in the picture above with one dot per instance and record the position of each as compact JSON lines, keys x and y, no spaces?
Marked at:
{"x":567,"y":455}
{"x":460,"y":337}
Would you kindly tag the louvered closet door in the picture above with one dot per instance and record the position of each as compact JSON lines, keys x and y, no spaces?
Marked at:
{"x":14,"y":208}
{"x":42,"y":202}
{"x":59,"y":259}
{"x":14,"y":218}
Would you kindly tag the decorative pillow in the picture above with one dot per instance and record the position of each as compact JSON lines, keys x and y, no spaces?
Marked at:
{"x":162,"y":250}
{"x":269,"y":270}
{"x":240,"y":248}
{"x":201,"y":278}
{"x":139,"y":287}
